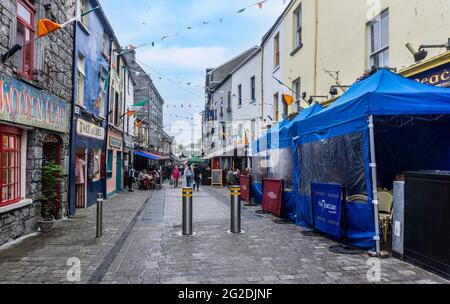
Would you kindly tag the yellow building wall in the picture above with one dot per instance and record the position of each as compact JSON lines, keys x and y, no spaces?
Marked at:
{"x":342,"y":38}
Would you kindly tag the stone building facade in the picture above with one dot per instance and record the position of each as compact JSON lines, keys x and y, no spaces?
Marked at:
{"x":145,"y":89}
{"x":35,"y":110}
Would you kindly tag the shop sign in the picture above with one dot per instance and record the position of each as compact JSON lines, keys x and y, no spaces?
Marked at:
{"x":90,"y":130}
{"x":115,"y":143}
{"x":24,"y":104}
{"x":328,"y":207}
{"x":439,"y":76}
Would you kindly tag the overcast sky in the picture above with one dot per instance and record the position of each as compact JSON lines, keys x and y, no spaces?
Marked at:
{"x":216,"y":33}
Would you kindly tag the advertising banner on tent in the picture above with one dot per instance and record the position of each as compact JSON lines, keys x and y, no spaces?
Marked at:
{"x":328,"y":211}
{"x":246,"y":185}
{"x":272,"y":196}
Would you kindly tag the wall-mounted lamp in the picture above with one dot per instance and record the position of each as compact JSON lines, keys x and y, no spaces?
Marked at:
{"x":334,"y":89}
{"x":311,"y":98}
{"x":421,"y":54}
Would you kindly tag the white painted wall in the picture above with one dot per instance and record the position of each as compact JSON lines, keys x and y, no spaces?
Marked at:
{"x":270,"y":85}
{"x":129,"y":101}
{"x":249,"y":110}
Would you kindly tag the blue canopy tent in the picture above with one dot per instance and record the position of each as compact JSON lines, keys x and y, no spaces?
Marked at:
{"x":277,"y":146}
{"x":341,"y":144}
{"x":287,"y":133}
{"x":257,"y":174}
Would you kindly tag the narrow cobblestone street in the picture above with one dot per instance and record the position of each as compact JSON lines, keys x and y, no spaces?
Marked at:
{"x":142,"y":243}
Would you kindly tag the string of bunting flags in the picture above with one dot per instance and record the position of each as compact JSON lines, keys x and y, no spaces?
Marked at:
{"x":205,"y":22}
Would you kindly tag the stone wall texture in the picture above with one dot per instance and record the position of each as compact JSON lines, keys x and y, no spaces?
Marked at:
{"x":53,"y":72}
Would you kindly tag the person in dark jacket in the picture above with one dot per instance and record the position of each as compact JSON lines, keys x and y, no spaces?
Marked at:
{"x":197,"y":177}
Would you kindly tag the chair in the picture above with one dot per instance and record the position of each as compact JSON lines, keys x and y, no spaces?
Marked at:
{"x":385,"y":211}
{"x":358,"y":198}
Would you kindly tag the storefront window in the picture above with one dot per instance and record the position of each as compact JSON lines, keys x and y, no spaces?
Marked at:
{"x":96,"y":165}
{"x":25,"y":37}
{"x":10,"y":162}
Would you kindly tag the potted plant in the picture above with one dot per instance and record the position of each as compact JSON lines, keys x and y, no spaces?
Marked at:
{"x":51,"y":175}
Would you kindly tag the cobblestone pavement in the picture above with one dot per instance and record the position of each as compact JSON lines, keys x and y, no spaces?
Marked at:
{"x":266,"y":253}
{"x":143,"y":244}
{"x":43,"y":258}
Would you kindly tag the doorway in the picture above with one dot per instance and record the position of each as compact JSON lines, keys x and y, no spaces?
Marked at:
{"x":51,"y":151}
{"x":81,"y":177}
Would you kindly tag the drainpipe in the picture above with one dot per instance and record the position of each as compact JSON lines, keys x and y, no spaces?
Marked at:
{"x":72,"y":131}
{"x":105,"y":150}
{"x":316,"y":13}
{"x":262,"y":85}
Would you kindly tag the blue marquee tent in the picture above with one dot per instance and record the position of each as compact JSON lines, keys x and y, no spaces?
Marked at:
{"x":385,"y":117}
{"x":280,"y":138}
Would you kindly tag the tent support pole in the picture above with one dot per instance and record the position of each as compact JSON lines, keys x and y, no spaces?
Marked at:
{"x":373,"y":165}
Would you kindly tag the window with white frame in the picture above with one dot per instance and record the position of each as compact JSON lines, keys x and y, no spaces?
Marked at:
{"x":296,"y":87}
{"x":276,"y":107}
{"x":253,"y":88}
{"x":240,"y":95}
{"x":298,"y":27}
{"x":379,"y":41}
{"x":276,"y":46}
{"x":81,"y":79}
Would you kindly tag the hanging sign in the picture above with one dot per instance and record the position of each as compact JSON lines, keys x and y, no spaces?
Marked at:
{"x":115,"y":143}
{"x":24,"y":104}
{"x":90,"y":130}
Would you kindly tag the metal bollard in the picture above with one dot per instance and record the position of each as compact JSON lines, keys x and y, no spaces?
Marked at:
{"x":187,"y":211}
{"x":235,"y":209}
{"x":99,"y":215}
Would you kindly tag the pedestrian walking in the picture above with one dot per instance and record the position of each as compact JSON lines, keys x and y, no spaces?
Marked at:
{"x":230,"y":177}
{"x":197,"y":178}
{"x":131,"y":176}
{"x":189,"y":176}
{"x":175,"y":177}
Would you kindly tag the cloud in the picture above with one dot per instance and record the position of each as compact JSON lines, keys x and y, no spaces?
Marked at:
{"x":183,"y":58}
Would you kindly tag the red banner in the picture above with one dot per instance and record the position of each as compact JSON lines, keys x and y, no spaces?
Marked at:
{"x":246,"y":183}
{"x":272,"y":195}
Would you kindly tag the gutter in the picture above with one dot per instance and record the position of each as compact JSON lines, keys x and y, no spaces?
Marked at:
{"x":72,"y":131}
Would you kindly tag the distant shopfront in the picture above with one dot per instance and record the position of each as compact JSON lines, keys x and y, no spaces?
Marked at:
{"x":34,"y":127}
{"x":88,"y":162}
{"x":114,"y":167}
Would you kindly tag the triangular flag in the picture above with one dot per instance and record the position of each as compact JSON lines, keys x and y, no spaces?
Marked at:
{"x":141,"y":103}
{"x":132,"y":113}
{"x":288,"y":99}
{"x":46,"y":26}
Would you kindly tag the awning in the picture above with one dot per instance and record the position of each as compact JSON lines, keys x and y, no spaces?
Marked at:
{"x":146,"y":155}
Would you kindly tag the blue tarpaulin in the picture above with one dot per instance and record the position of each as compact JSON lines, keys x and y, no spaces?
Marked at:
{"x":333,"y":145}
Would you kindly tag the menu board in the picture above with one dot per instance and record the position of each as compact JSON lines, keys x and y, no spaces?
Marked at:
{"x":217,"y":178}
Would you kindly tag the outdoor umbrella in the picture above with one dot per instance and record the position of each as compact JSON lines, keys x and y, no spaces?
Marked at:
{"x":195,"y":160}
